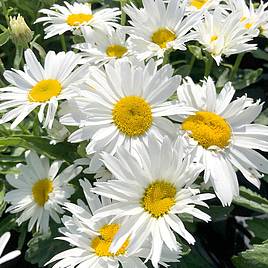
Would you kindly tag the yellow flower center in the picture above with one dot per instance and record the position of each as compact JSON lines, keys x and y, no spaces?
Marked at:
{"x":44,"y":90}
{"x":132,"y":115}
{"x":40,"y":190}
{"x":78,"y":19}
{"x":247,"y":25}
{"x":158,"y":198}
{"x":116,"y":51}
{"x":102,"y":243}
{"x":208,"y":129}
{"x":162,"y":36}
{"x":198,"y":3}
{"x":213,"y":38}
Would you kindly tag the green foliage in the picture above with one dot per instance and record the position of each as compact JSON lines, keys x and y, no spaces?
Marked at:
{"x":256,"y":257}
{"x":259,"y":227}
{"x":251,"y":200}
{"x":42,"y":247}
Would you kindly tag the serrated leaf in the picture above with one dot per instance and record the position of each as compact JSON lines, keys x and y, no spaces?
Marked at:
{"x":42,"y":247}
{"x":256,"y":257}
{"x":251,"y":200}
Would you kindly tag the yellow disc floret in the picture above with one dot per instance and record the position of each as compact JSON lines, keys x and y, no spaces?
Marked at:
{"x":102,"y":243}
{"x":198,"y":3}
{"x":158,"y":198}
{"x":78,"y":19}
{"x":40,"y":190}
{"x":44,"y":90}
{"x":116,"y":51}
{"x":208,"y":129}
{"x":132,"y":115}
{"x":162,"y":36}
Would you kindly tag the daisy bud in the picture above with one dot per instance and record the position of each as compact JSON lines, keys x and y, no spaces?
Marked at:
{"x":21,"y":34}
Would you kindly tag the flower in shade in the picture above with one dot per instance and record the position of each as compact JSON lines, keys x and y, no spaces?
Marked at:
{"x":91,"y":240}
{"x":39,"y":86}
{"x":222,"y":137}
{"x":157,"y":27}
{"x":40,"y":190}
{"x":126,"y":103}
{"x":72,"y":17}
{"x":152,"y":189}
{"x":11,"y":255}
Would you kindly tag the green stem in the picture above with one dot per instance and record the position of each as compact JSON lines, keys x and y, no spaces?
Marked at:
{"x":208,"y":66}
{"x":63,"y":43}
{"x":18,"y":57}
{"x":123,"y":14}
{"x":236,"y":65}
{"x":166,"y":57}
{"x":191,"y":64}
{"x":5,"y":12}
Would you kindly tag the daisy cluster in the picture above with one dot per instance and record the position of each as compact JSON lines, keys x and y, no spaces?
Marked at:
{"x":159,"y":145}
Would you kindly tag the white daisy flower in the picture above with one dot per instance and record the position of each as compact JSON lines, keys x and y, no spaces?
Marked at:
{"x":224,"y":35}
{"x":222,"y":137}
{"x":101,"y":47}
{"x":152,"y":190}
{"x":250,"y":17}
{"x":158,"y":27}
{"x":11,"y":255}
{"x":91,"y":240}
{"x":126,"y":104}
{"x":39,"y":86}
{"x":40,"y":191}
{"x":72,"y":17}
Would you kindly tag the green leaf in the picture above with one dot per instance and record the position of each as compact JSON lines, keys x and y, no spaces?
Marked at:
{"x":260,"y":54}
{"x":197,"y":52}
{"x":41,"y":145}
{"x":248,"y":77}
{"x":256,"y":257}
{"x":260,"y":229}
{"x":8,"y":223}
{"x":219,"y":213}
{"x":4,"y":37}
{"x":262,"y":118}
{"x":251,"y":200}
{"x":42,"y":247}
{"x":2,"y":195}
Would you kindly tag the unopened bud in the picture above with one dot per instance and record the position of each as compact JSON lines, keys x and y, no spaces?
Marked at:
{"x":21,"y":34}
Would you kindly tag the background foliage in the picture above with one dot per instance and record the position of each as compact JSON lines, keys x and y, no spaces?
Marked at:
{"x":237,"y":235}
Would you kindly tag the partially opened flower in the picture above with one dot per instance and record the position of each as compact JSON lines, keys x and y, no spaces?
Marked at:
{"x":158,"y":27}
{"x":11,"y":255}
{"x":222,"y":137}
{"x":40,"y":191}
{"x":126,"y":103}
{"x":39,"y":86}
{"x":224,"y":35}
{"x":91,"y":240}
{"x":101,"y":47}
{"x":72,"y":17}
{"x":152,"y":190}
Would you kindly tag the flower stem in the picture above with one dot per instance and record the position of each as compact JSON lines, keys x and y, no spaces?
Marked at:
{"x":63,"y":43}
{"x":123,"y":14}
{"x":236,"y":65}
{"x":18,"y":57}
{"x":191,"y":64}
{"x":208,"y":66}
